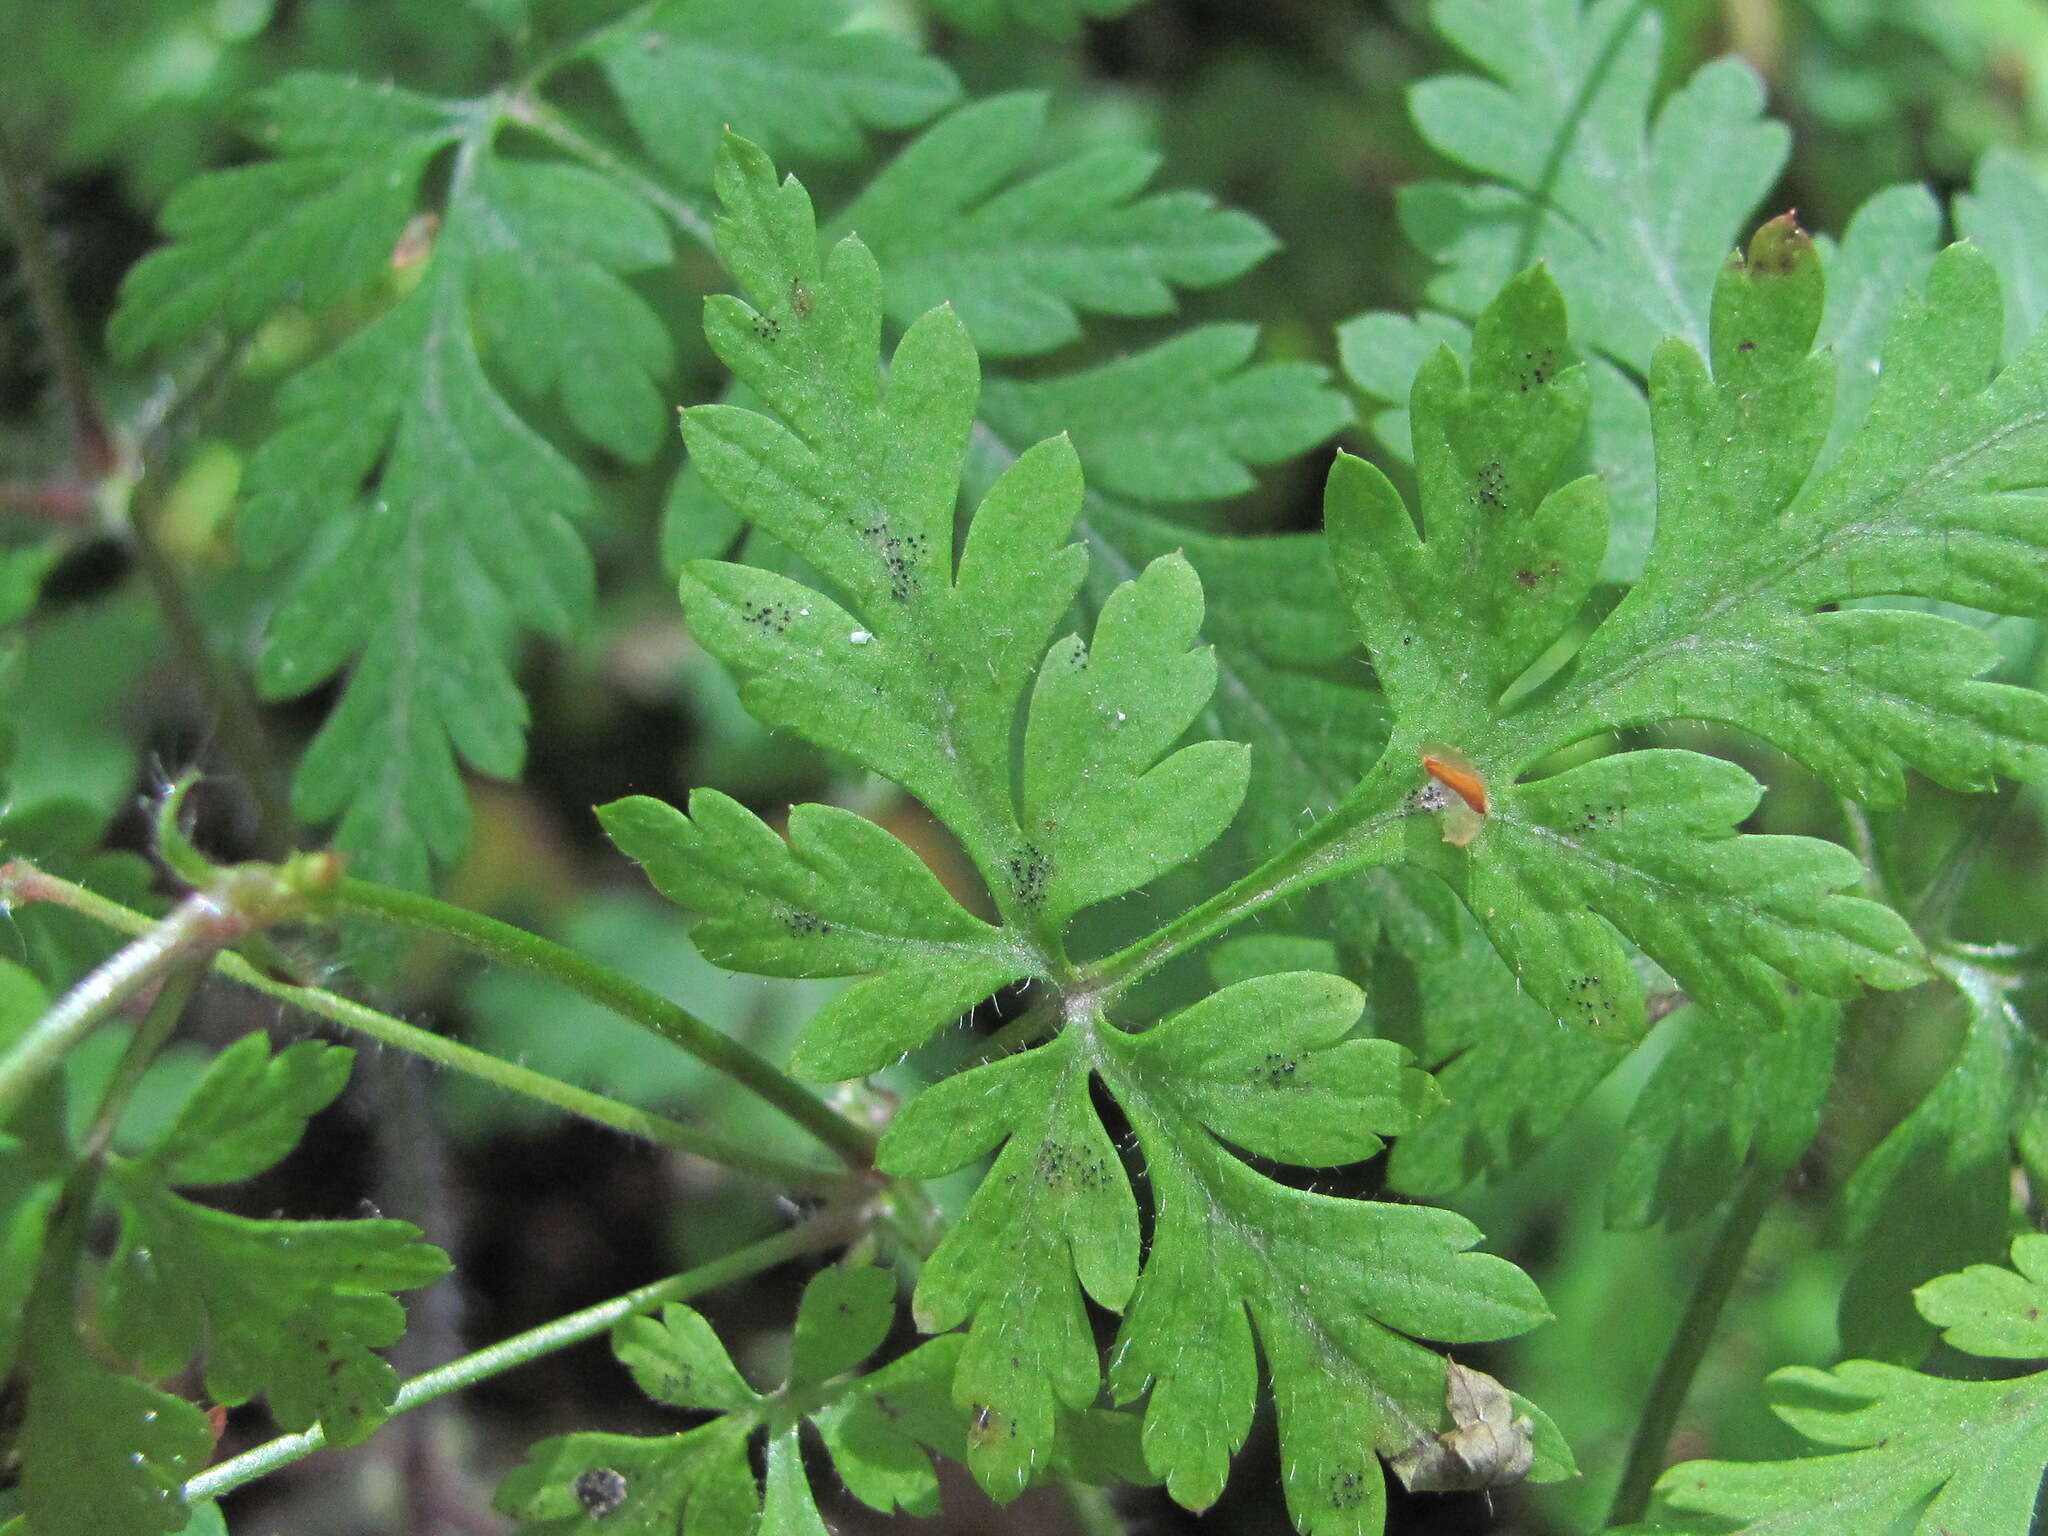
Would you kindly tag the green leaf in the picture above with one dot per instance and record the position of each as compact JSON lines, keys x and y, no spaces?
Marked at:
{"x":1102,"y":815}
{"x":949,"y":222}
{"x":1908,"y":1453}
{"x":788,"y":73}
{"x":101,"y":1454}
{"x":1263,"y":1065}
{"x":1053,"y":1216}
{"x":313,"y":227}
{"x":876,"y":1426}
{"x":1510,"y":1076}
{"x":1630,"y":220}
{"x":698,"y":1480}
{"x":1233,"y":1251}
{"x":1055,"y":18}
{"x":292,"y":1309}
{"x":1990,"y":1311}
{"x":1934,"y":1194}
{"x":1182,"y":421}
{"x":249,"y":1110}
{"x":2006,"y":214}
{"x":910,"y":677}
{"x":1639,"y":845}
{"x":678,"y":1360}
{"x":789,"y":1507}
{"x":841,"y":898}
{"x":1921,"y":502}
{"x":426,"y":523}
{"x":1717,"y":1098}
{"x":877,"y":1430}
{"x":843,"y":1318}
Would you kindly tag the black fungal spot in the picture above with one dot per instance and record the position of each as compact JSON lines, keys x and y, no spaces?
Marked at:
{"x":1348,"y":1489}
{"x":1591,"y":817}
{"x":1062,"y":1167}
{"x":600,"y":1491}
{"x":1278,"y":1069}
{"x":1407,"y":639}
{"x":1746,"y":346}
{"x":900,"y":557}
{"x":769,"y":618}
{"x":805,"y":925}
{"x":767,"y":327}
{"x":1541,"y":370}
{"x":1594,"y":1008}
{"x":1493,"y":485}
{"x":1030,"y":869}
{"x":1078,"y":662}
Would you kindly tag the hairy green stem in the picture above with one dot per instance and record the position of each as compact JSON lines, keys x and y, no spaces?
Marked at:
{"x":626,"y":1118}
{"x":1340,"y":843}
{"x":826,"y":1230}
{"x":199,"y":924}
{"x":525,"y":951}
{"x":1719,"y":1269}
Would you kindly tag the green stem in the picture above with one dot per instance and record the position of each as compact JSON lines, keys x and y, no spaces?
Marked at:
{"x":198,"y":924}
{"x":22,"y":884}
{"x":826,"y":1230}
{"x":1934,"y":909}
{"x":1720,"y":1268}
{"x":601,"y":985}
{"x":542,"y":118}
{"x":1339,"y":844}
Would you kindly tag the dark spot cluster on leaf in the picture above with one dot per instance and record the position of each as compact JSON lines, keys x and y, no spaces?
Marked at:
{"x":767,"y":327}
{"x":805,"y":925}
{"x":1348,"y":1489}
{"x":1595,"y":1008}
{"x":1745,"y":346}
{"x":1534,"y":578}
{"x":1063,"y":1167}
{"x":1493,"y":483}
{"x":769,"y":618}
{"x":1591,"y":817}
{"x":600,"y":1491}
{"x":1278,"y":1069}
{"x":1078,"y":662}
{"x":1541,"y":370}
{"x":900,"y":555}
{"x":1030,"y":869}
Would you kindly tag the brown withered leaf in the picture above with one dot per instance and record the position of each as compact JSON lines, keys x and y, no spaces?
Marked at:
{"x":1488,"y":1443}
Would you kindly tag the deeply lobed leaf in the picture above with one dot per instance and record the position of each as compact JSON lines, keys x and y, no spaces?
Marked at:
{"x":1020,"y":259}
{"x":921,"y":671}
{"x":1911,"y":1453}
{"x":1263,"y":1065}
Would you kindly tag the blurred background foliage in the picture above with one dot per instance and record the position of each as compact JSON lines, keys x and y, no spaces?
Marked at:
{"x":1294,"y":110}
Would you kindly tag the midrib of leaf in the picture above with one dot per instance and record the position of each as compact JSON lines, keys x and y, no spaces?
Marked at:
{"x":1574,"y":712}
{"x":1578,"y":106}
